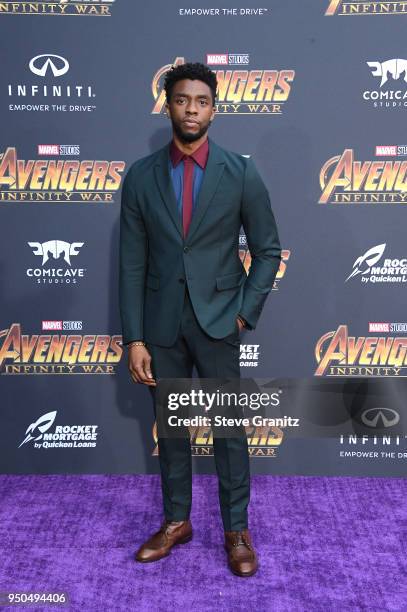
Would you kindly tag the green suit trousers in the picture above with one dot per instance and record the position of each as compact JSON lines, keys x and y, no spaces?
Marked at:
{"x":213,"y":358}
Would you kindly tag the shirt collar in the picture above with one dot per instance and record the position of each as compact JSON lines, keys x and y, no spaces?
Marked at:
{"x":200,"y":156}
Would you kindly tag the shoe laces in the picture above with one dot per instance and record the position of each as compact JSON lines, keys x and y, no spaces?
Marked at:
{"x":241,"y":537}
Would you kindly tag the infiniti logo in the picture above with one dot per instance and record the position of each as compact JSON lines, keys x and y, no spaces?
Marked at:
{"x":40,"y":64}
{"x":387,"y":416}
{"x":70,"y":96}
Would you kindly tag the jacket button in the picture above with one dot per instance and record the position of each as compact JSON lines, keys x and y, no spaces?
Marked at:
{"x":181,"y":280}
{"x":186,"y":249}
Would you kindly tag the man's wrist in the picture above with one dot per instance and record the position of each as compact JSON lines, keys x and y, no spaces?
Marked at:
{"x":136,"y":343}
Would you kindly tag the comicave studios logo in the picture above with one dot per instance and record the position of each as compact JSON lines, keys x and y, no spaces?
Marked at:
{"x":78,"y":8}
{"x":60,"y":436}
{"x":51,"y":95}
{"x":390,"y":73}
{"x":55,"y":251}
{"x":369,"y":269}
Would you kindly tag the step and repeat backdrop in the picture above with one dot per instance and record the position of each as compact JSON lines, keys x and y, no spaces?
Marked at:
{"x":316,"y":93}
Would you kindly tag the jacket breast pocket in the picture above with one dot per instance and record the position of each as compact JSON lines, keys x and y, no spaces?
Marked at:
{"x":152,"y":282}
{"x":228,"y":281}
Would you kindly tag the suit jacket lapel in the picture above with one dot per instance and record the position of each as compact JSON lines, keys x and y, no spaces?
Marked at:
{"x":163,"y":178}
{"x":213,"y":171}
{"x":212,"y":174}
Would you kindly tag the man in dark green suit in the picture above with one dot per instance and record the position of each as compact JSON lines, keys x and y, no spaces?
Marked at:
{"x":184,"y":293}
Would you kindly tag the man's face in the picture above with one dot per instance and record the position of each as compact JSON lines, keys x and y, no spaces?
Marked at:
{"x":190,"y":109}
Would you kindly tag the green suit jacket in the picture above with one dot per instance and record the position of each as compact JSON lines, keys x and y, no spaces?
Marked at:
{"x":156,"y":261}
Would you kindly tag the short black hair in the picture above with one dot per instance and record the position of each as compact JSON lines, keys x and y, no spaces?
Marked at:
{"x":191,"y":71}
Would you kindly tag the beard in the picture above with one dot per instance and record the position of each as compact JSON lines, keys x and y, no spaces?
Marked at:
{"x":189,"y":136}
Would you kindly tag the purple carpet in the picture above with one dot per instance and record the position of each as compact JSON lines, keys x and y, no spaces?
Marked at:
{"x":323,"y":543}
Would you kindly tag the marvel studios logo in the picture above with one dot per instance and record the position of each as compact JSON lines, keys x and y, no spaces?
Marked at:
{"x":391,"y":150}
{"x":54,"y":149}
{"x":386,"y":327}
{"x":61,"y":325}
{"x":227,"y":59}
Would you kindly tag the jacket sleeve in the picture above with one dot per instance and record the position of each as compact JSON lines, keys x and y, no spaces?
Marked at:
{"x":263,"y":242}
{"x":133,"y":249}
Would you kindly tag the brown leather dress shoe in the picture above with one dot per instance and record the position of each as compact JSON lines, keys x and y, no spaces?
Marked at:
{"x":242,"y":558}
{"x":160,"y":543}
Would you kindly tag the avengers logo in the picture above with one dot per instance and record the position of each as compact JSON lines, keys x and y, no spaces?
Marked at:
{"x":86,"y":8}
{"x":239,"y":91}
{"x":262,"y":441}
{"x":246,"y":259}
{"x":361,"y":7}
{"x":57,"y":353}
{"x":61,"y":180}
{"x":343,"y":180}
{"x":339,"y":354}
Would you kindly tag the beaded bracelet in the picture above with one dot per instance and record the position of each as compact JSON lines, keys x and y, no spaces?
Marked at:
{"x":136,"y":343}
